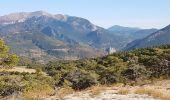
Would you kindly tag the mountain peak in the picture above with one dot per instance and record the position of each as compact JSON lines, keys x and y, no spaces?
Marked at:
{"x":40,"y":13}
{"x":21,"y":16}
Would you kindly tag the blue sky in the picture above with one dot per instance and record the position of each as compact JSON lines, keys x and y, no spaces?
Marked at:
{"x":105,"y":13}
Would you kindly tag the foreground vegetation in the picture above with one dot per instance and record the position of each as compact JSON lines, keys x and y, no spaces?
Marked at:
{"x":19,"y":85}
{"x":133,"y":67}
{"x":25,"y":85}
{"x":7,"y":59}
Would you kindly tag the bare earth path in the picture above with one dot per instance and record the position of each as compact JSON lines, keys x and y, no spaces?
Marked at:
{"x":20,"y":69}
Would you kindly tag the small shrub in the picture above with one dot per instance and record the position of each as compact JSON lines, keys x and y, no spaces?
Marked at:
{"x":123,"y":91}
{"x":96,"y":90}
{"x":63,"y":92}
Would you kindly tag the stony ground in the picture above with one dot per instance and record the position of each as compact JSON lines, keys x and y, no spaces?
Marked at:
{"x":107,"y":95}
{"x":158,"y":88}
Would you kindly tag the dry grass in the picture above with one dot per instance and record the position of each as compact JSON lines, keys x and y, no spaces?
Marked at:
{"x":18,"y":69}
{"x":151,"y":91}
{"x":117,"y":85}
{"x":123,"y":91}
{"x":165,"y":97}
{"x":37,"y":93}
{"x":96,"y":90}
{"x":63,"y":92}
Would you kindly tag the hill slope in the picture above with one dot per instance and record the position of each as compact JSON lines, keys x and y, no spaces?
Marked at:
{"x":45,"y":36}
{"x":125,"y":67}
{"x":160,"y":37}
{"x":131,"y":33}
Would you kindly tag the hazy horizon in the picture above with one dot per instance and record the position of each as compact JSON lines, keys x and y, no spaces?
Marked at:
{"x":129,"y":13}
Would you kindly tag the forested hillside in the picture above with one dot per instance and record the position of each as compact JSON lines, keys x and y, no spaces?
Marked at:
{"x":123,"y":67}
{"x":160,"y":37}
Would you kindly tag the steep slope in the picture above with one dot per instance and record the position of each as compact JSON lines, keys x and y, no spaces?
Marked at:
{"x":143,"y":33}
{"x":45,"y":37}
{"x":99,"y":40}
{"x":43,"y":48}
{"x":131,"y":33}
{"x":56,"y":36}
{"x":158,"y":38}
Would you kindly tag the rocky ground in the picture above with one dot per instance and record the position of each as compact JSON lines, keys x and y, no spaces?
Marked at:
{"x":159,"y":90}
{"x":107,"y":95}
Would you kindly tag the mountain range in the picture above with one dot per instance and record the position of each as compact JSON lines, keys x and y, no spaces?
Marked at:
{"x":160,"y":37}
{"x":44,"y":37}
{"x":132,"y":33}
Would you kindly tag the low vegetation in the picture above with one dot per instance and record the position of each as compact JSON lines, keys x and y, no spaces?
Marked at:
{"x":21,"y":84}
{"x":129,"y":68}
{"x":30,"y":86}
{"x":7,"y":59}
{"x":152,"y":91}
{"x":149,"y":91}
{"x":123,"y":91}
{"x":62,"y":92}
{"x":96,"y":90}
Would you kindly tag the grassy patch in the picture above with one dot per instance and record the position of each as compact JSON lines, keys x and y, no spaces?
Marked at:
{"x":156,"y":93}
{"x":63,"y":92}
{"x":96,"y":90}
{"x":123,"y":91}
{"x":38,"y":91}
{"x":165,"y":97}
{"x":29,"y":86}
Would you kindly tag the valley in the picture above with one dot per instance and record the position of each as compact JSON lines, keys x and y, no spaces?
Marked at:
{"x":46,"y":37}
{"x":85,"y":50}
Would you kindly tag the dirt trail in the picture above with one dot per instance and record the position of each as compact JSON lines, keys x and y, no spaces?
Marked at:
{"x":20,"y":69}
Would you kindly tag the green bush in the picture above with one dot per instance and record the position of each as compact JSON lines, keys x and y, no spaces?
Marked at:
{"x":131,"y":66}
{"x":25,"y":83}
{"x":7,"y":59}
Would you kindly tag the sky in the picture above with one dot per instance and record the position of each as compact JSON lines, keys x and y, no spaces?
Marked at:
{"x":104,"y":13}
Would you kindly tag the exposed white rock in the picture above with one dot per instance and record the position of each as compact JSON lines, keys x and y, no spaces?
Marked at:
{"x":107,"y":95}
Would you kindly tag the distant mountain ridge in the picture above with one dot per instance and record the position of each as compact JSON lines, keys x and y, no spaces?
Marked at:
{"x":123,"y":29}
{"x":131,"y":33}
{"x":22,"y":16}
{"x":44,"y":36}
{"x":160,"y":37}
{"x":73,"y":28}
{"x":41,"y":35}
